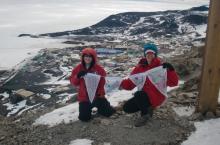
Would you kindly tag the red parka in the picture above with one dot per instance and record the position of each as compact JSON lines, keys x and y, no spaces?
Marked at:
{"x":156,"y":98}
{"x":79,"y":83}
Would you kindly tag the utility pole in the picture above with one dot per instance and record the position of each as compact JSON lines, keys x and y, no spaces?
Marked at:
{"x":210,"y":78}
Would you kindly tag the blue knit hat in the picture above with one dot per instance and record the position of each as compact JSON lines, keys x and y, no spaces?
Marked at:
{"x":150,"y":47}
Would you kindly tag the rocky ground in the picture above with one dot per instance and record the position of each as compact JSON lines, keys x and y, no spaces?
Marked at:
{"x":164,"y":128}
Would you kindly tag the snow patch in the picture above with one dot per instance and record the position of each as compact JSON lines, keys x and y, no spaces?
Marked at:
{"x":184,"y":111}
{"x":120,"y":96}
{"x":14,"y":108}
{"x":201,"y":29}
{"x":46,"y":96}
{"x":28,"y":107}
{"x":5,"y":94}
{"x":81,"y":142}
{"x":64,"y":114}
{"x":66,"y":98}
{"x":207,"y":133}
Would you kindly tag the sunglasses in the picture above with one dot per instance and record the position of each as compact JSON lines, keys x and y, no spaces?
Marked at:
{"x":86,"y":55}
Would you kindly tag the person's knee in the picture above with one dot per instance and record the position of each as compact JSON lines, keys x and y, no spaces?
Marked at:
{"x":84,"y":115}
{"x":107,"y":112}
{"x":127,"y":108}
{"x":139,"y":94}
{"x":84,"y":111}
{"x":104,"y":107}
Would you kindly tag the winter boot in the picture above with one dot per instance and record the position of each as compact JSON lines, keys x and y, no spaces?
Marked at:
{"x":142,"y":120}
{"x":150,"y":111}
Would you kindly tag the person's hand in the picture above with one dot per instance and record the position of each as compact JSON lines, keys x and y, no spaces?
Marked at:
{"x":168,"y":66}
{"x":81,"y":74}
{"x":143,"y":62}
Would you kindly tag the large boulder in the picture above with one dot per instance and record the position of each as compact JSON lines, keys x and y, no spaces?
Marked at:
{"x":14,"y":99}
{"x":3,"y":110}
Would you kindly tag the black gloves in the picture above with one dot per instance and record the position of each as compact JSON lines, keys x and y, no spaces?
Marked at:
{"x":143,"y":62}
{"x":81,"y":74}
{"x":168,"y":66}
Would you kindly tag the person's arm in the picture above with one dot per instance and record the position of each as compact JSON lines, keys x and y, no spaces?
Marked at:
{"x":74,"y":80}
{"x":172,"y":77}
{"x":127,"y":84}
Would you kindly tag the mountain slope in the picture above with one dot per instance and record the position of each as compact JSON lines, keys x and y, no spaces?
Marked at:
{"x":152,"y":24}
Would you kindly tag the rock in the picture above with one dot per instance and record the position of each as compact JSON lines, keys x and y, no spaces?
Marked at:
{"x":195,"y":19}
{"x":195,"y":87}
{"x":65,"y":59}
{"x":55,"y":72}
{"x":83,"y":128}
{"x":49,"y":137}
{"x":217,"y":113}
{"x":15,"y":98}
{"x":210,"y":115}
{"x":2,"y":138}
{"x":128,"y":126}
{"x":3,"y":110}
{"x":129,"y":115}
{"x":105,"y":122}
{"x":118,"y":108}
{"x":96,"y":121}
{"x":191,"y":84}
{"x":114,"y":116}
{"x":74,"y":42}
{"x":60,"y":89}
{"x":173,"y":94}
{"x":182,"y":70}
{"x":187,"y":95}
{"x":120,"y":69}
{"x":196,"y":116}
{"x":1,"y":96}
{"x":28,"y":35}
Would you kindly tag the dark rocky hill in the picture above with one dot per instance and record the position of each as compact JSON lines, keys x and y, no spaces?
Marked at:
{"x":142,"y":23}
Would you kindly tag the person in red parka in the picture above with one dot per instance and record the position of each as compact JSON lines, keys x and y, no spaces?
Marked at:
{"x":89,"y":65}
{"x":149,"y":97}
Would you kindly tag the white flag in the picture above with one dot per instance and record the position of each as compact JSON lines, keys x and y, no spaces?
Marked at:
{"x":112,"y":83}
{"x":92,"y":81}
{"x":158,"y":77}
{"x":138,"y":79}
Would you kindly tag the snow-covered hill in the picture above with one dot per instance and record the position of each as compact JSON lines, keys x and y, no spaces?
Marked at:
{"x":148,"y":24}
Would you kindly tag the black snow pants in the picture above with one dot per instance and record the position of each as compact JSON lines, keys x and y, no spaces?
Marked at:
{"x":140,"y":102}
{"x":104,"y":109}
